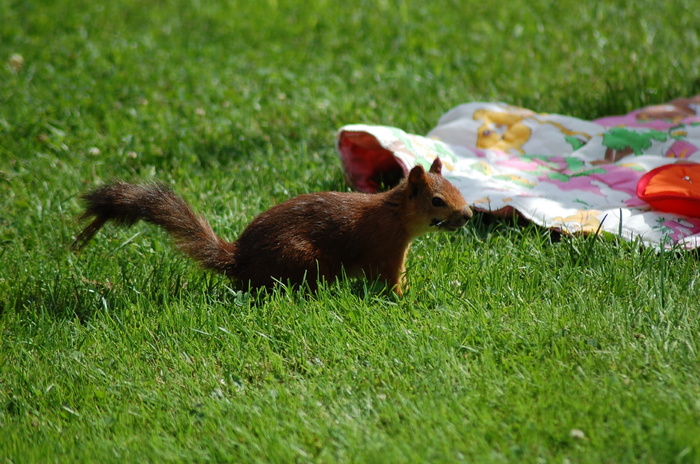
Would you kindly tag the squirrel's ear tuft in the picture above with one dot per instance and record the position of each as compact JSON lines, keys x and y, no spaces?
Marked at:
{"x":436,"y":167}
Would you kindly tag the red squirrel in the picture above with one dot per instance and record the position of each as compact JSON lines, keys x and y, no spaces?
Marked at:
{"x":307,"y":238}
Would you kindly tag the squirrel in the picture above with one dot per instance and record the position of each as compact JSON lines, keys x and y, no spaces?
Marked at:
{"x":304,"y":239}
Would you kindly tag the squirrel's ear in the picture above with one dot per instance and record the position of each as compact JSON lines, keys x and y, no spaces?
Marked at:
{"x":417,"y":174}
{"x":416,"y":181}
{"x":436,"y":167}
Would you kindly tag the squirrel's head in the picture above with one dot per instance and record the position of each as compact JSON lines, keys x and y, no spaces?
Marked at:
{"x":434,"y":203}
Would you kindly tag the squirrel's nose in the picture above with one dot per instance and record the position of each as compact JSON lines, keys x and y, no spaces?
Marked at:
{"x":467,"y":213}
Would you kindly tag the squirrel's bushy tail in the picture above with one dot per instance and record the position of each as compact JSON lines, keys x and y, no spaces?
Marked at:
{"x":125,"y":204}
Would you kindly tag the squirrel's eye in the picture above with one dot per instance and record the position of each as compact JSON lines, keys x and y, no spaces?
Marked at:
{"x":438,"y":202}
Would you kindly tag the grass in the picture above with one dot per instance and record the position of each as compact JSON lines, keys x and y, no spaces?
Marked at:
{"x":509,"y":346}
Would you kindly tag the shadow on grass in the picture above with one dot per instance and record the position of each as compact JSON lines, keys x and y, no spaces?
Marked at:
{"x":482,"y":225}
{"x":623,"y":96}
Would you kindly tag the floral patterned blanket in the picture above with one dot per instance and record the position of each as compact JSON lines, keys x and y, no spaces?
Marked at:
{"x":558,"y":171}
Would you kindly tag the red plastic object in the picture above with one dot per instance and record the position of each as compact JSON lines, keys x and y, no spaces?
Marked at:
{"x":367,"y":164}
{"x":672,"y":188}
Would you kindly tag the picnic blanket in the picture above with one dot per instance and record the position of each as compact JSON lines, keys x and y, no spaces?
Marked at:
{"x":557,"y":171}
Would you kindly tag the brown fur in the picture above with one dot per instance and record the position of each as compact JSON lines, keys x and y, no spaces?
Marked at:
{"x":310,"y":237}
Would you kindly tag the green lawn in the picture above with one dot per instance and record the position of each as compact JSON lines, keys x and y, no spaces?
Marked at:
{"x":509,"y":346}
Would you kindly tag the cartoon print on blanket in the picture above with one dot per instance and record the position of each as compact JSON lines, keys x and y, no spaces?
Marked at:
{"x":558,"y":171}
